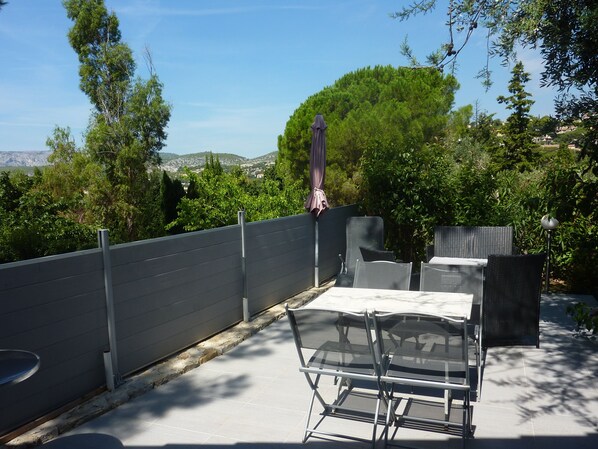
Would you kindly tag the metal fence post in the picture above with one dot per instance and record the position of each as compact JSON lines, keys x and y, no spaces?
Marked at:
{"x":241,"y":221}
{"x":113,"y":377}
{"x":316,"y":255}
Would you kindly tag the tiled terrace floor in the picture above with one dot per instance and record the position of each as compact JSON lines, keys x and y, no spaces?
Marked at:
{"x":254,"y":397}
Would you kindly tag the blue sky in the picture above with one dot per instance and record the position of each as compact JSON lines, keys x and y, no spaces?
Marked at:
{"x":234,"y":71}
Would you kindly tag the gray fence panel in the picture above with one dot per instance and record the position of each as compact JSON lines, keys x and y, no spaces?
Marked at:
{"x":280,"y":259}
{"x":55,"y":307}
{"x":333,"y":239}
{"x":173,"y":292}
{"x":169,"y":293}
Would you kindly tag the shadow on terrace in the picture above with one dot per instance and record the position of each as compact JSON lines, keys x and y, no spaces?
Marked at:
{"x":254,"y":397}
{"x":108,"y":442}
{"x":560,"y":375}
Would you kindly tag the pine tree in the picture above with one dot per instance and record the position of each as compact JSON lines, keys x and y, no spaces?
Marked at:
{"x":518,"y":144}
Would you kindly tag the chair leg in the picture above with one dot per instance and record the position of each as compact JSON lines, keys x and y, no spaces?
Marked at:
{"x":388,"y":397}
{"x":479,"y":387}
{"x":388,"y":421}
{"x":307,"y":432}
{"x":466,"y":428}
{"x":480,"y":371}
{"x":376,"y":415}
{"x":315,"y":394}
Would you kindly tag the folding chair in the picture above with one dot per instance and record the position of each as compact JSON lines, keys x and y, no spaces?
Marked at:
{"x":343,"y":351}
{"x":429,"y":355}
{"x":383,"y":274}
{"x":460,"y":279}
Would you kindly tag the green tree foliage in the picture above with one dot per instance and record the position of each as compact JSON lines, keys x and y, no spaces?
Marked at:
{"x":484,"y":130}
{"x":382,"y":126}
{"x":543,"y":126}
{"x":127,"y":127}
{"x":68,"y":177}
{"x":272,"y":198}
{"x":571,"y":195}
{"x":192,"y":191}
{"x":171,"y":192}
{"x":473,"y":182}
{"x":12,"y":189}
{"x":218,"y":196}
{"x":361,"y":108}
{"x":572,"y":137}
{"x":518,"y":146}
{"x":566,"y":33}
{"x":459,"y":123}
{"x":33,"y":223}
{"x":110,"y":182}
{"x":559,"y":185}
{"x":406,"y":186}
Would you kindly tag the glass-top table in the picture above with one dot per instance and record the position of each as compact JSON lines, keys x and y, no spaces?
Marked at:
{"x":17,"y":365}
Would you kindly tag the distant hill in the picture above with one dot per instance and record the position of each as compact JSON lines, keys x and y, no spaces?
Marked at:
{"x":24,"y":158}
{"x":196,"y":161}
{"x":171,"y":162}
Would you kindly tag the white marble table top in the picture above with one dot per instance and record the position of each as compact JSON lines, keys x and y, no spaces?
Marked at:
{"x":459,"y":261}
{"x":399,"y":301}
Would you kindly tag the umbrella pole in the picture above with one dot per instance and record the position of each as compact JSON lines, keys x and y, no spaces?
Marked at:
{"x":316,"y":261}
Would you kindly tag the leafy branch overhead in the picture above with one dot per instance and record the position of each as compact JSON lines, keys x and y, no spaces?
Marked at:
{"x":565,"y":32}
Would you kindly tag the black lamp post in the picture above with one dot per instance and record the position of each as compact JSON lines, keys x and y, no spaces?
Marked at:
{"x":549,"y":224}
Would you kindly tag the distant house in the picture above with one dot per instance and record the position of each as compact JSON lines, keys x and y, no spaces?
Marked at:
{"x":543,"y":140}
{"x":565,"y":129}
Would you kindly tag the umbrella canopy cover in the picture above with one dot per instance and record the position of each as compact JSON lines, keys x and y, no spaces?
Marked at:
{"x":316,"y":202}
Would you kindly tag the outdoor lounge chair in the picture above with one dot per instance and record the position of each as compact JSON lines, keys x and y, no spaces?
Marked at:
{"x":365,"y":233}
{"x":423,"y":357}
{"x":383,"y":274}
{"x":512,"y":300}
{"x":343,"y":351}
{"x":460,"y":279}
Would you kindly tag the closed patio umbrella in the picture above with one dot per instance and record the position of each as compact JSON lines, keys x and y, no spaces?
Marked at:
{"x":316,"y":202}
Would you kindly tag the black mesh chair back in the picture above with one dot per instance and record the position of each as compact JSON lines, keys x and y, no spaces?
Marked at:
{"x":511,"y":311}
{"x":362,"y":232}
{"x":383,"y":274}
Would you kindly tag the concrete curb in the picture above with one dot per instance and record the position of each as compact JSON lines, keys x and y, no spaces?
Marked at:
{"x":160,"y":373}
